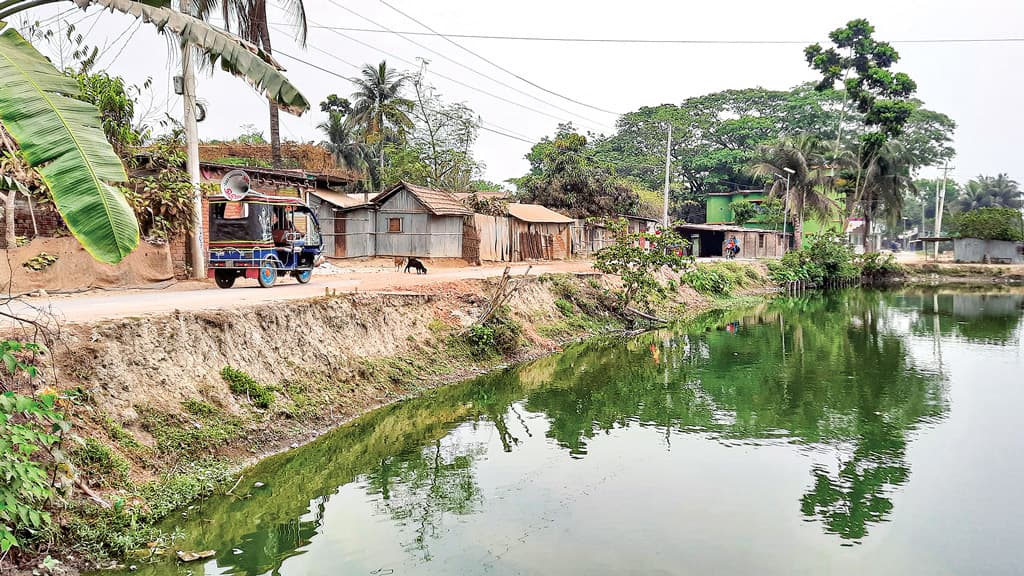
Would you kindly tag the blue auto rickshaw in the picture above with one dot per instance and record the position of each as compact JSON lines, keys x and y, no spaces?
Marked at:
{"x":254,"y":235}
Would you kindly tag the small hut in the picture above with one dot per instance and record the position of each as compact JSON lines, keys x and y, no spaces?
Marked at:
{"x":416,"y":221}
{"x":346,"y":223}
{"x":708,"y":240}
{"x":539,"y":233}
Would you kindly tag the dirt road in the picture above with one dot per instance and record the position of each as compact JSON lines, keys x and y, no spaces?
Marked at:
{"x":206,"y":296}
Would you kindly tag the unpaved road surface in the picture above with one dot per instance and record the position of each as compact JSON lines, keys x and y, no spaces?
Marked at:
{"x":191,"y":296}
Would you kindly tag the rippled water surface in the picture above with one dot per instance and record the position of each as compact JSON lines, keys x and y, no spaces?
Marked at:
{"x":847,"y":433}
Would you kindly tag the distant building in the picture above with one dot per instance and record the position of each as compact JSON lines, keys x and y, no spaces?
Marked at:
{"x":719,"y":211}
{"x":708,"y":240}
{"x":988,"y":251}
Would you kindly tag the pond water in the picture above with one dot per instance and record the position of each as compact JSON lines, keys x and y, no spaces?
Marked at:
{"x":853,"y":432}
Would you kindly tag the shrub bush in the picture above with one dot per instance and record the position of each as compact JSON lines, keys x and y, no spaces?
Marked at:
{"x":990,"y":224}
{"x":243,"y":384}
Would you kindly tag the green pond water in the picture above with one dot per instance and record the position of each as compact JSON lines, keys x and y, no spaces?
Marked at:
{"x":854,"y":432}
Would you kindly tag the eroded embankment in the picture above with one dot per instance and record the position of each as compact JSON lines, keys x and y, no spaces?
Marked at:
{"x":166,"y":408}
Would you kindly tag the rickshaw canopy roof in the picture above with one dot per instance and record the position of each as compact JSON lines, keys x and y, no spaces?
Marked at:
{"x":261,"y":199}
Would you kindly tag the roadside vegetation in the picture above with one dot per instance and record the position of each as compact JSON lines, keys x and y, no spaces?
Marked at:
{"x":827,"y":258}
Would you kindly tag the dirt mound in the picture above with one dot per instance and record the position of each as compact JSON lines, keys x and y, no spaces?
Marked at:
{"x":74,"y":269}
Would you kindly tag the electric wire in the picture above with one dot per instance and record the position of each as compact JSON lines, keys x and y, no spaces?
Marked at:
{"x":662,"y":40}
{"x":493,"y":128}
{"x":453,"y":80}
{"x":498,"y":66}
{"x":469,"y":68}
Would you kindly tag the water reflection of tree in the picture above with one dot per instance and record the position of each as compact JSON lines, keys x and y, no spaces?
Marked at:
{"x":824,"y":369}
{"x":976,"y":317}
{"x":420,"y":487}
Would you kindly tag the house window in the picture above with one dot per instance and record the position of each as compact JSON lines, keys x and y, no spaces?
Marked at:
{"x":760,"y":240}
{"x":394,"y":224}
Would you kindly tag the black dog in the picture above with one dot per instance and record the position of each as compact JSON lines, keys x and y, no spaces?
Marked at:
{"x":416,"y":265}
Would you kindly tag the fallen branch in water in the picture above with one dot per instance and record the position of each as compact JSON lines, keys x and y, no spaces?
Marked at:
{"x":646,"y":316}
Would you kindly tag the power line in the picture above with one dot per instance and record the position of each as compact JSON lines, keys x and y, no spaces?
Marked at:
{"x":461,"y":65}
{"x":450,"y":79}
{"x":496,"y":130}
{"x":664,"y":40}
{"x":498,"y":66}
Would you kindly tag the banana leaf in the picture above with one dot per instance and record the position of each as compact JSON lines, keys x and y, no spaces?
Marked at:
{"x":236,"y":56}
{"x":62,"y":139}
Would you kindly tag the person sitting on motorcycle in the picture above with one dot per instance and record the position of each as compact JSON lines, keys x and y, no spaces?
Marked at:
{"x":732,"y":247}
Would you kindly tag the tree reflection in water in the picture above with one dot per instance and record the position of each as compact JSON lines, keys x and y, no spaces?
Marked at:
{"x":831,"y":372}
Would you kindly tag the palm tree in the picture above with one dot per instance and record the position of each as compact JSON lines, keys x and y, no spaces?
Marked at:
{"x":342,"y":142}
{"x":986,"y":191}
{"x":61,"y":138}
{"x":250,"y":20}
{"x":886,"y":180}
{"x":809,"y":180}
{"x":380,"y":110}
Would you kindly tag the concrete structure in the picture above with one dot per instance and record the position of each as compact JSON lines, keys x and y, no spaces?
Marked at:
{"x":988,"y":251}
{"x":708,"y":240}
{"x":719,"y":212}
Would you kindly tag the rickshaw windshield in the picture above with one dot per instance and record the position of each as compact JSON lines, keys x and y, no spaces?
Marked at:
{"x":240,"y":221}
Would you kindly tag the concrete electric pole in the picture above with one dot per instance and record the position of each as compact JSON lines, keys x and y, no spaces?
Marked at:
{"x":668,"y":166}
{"x":192,"y":153}
{"x":940,"y":201}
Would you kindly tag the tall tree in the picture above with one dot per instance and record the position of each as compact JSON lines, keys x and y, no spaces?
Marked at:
{"x":565,"y":175}
{"x":444,"y":134}
{"x":250,"y":20}
{"x":380,"y":109}
{"x":862,"y":65}
{"x":342,"y":139}
{"x":809,"y":181}
{"x":887,"y":182}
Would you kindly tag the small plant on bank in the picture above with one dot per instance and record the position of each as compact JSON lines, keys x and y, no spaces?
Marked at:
{"x":244,"y":385}
{"x":877,"y":267}
{"x":31,"y":433}
{"x":100,"y":465}
{"x":565,"y":307}
{"x":481,"y":340}
{"x":637,"y":257}
{"x":40,"y":261}
{"x":824,"y":257}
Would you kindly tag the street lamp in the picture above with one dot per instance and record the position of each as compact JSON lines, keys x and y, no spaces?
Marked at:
{"x":785,"y":204}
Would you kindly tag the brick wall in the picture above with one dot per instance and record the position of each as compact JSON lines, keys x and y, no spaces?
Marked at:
{"x":180,"y":254}
{"x":48,"y":220}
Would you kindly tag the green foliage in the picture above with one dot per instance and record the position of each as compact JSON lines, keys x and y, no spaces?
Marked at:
{"x":116,"y":103}
{"x":481,"y":338}
{"x":507,"y":332}
{"x":565,"y":307}
{"x":862,"y":64}
{"x":243,"y":384}
{"x":193,"y":435}
{"x":824,"y":257}
{"x":199,"y":408}
{"x":990,"y":224}
{"x":876,"y":267}
{"x":721,"y":278}
{"x":40,"y":261}
{"x":100,"y":465}
{"x":118,"y":434}
{"x":743,"y":211}
{"x":989,"y":192}
{"x":31,"y":430}
{"x":566,"y":175}
{"x":637,"y":265}
{"x":162,"y":199}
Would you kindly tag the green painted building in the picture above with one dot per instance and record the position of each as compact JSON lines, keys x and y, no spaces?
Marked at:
{"x":719,"y":212}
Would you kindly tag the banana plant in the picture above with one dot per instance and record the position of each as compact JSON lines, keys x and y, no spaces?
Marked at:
{"x":62,"y":138}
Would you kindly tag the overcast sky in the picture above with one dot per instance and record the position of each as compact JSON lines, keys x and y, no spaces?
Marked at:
{"x":979,"y":85}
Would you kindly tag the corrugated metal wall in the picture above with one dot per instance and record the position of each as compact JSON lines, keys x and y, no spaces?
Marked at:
{"x":495,"y":243}
{"x":994,"y":251}
{"x":423,"y":234}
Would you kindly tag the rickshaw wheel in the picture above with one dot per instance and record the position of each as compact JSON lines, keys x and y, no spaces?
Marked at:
{"x":267,"y":273}
{"x":304,"y":277}
{"x":224,"y":278}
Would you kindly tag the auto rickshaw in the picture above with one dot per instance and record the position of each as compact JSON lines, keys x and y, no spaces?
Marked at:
{"x":254,"y":235}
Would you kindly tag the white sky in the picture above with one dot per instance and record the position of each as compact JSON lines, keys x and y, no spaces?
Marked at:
{"x":979,"y":85}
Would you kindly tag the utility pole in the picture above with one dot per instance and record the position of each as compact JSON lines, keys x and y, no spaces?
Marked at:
{"x":668,"y":165}
{"x":192,"y":153}
{"x":940,"y":201}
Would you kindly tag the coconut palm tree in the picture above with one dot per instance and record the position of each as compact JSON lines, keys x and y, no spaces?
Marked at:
{"x":249,"y":18}
{"x":887,"y":179}
{"x":809,"y":182}
{"x":986,"y":191}
{"x":380,"y":110}
{"x":343,"y":143}
{"x":62,"y":140}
